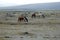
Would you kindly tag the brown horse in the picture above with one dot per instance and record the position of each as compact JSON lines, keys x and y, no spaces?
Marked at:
{"x":22,"y":18}
{"x":35,"y":15}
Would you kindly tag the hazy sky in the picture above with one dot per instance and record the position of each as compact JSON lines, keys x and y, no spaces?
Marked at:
{"x":23,"y":2}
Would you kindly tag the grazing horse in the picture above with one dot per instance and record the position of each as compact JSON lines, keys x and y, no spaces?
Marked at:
{"x":22,"y":18}
{"x":38,"y":15}
{"x":33,"y":15}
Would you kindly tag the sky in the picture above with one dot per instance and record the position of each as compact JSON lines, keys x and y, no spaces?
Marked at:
{"x":4,"y":3}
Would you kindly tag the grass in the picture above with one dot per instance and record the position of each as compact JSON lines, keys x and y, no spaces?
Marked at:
{"x":1,"y":39}
{"x":35,"y":27}
{"x":54,"y":21}
{"x":48,"y":21}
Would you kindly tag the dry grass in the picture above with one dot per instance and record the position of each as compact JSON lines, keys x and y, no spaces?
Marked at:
{"x":37,"y":27}
{"x":54,"y":21}
{"x":1,"y":39}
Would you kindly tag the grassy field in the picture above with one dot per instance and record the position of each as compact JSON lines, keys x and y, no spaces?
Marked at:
{"x":47,"y":28}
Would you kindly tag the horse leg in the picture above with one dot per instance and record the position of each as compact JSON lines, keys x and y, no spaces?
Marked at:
{"x":25,"y":19}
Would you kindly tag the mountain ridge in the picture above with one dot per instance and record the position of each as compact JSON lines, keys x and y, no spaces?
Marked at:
{"x":38,"y":6}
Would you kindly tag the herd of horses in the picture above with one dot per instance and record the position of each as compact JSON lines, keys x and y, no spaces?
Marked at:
{"x":25,"y":19}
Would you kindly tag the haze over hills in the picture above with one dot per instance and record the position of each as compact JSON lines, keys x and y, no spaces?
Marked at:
{"x":31,"y":7}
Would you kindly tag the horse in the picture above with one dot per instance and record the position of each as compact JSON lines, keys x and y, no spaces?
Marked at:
{"x":33,"y":15}
{"x":38,"y":15}
{"x":22,"y":18}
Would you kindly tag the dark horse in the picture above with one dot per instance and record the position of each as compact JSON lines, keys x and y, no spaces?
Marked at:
{"x":33,"y":15}
{"x":38,"y":15}
{"x":22,"y":18}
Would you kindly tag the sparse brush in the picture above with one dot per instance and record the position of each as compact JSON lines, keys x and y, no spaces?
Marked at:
{"x":25,"y":33}
{"x":54,"y":21}
{"x":1,"y":38}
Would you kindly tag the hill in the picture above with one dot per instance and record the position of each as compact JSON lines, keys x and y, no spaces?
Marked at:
{"x":34,"y":7}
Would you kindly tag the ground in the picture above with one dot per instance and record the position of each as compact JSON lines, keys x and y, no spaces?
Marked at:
{"x":38,"y":29}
